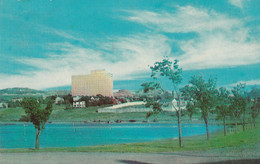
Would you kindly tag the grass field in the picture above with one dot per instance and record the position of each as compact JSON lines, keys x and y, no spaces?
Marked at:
{"x":59,"y":114}
{"x":11,"y":114}
{"x":89,"y":114}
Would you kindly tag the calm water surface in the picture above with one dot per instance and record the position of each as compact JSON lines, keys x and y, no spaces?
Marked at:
{"x":72,"y":135}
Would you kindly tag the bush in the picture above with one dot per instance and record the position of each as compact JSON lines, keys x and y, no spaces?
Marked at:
{"x":24,"y":118}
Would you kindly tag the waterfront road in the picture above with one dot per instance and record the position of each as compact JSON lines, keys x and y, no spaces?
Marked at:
{"x":120,"y":158}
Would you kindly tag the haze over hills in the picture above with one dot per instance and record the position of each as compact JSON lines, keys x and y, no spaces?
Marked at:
{"x":10,"y":93}
{"x":19,"y":91}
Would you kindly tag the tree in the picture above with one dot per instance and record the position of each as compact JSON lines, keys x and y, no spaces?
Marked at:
{"x":171,"y":70}
{"x":255,"y":108}
{"x":222,"y":109}
{"x":202,"y":96}
{"x":37,"y":115}
{"x":190,"y":109}
{"x":239,"y":103}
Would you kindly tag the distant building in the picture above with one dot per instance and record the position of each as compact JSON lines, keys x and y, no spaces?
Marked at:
{"x":17,"y":99}
{"x":3,"y":105}
{"x":183,"y":103}
{"x":97,"y":82}
{"x":79,"y":104}
{"x":59,"y":100}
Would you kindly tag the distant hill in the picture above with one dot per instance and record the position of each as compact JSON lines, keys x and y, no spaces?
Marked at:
{"x":67,"y":87}
{"x":254,"y":93}
{"x":20,"y":91}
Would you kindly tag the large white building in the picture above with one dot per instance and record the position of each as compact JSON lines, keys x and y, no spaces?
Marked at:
{"x":97,"y":82}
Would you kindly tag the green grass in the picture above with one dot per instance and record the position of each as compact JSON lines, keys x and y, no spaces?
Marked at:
{"x":89,"y":114}
{"x":11,"y":114}
{"x":195,"y":143}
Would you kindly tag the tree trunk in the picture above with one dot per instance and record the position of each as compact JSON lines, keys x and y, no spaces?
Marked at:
{"x":244,"y":121}
{"x":254,"y":122}
{"x":37,"y":139}
{"x":236,"y":123}
{"x":224,"y":122}
{"x":179,"y":120}
{"x":251,"y":122}
{"x":180,"y":130}
{"x":207,"y":127}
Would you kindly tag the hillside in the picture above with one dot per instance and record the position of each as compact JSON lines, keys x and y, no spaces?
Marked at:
{"x":19,"y":91}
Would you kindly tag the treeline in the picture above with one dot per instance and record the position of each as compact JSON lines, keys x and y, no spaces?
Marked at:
{"x":236,"y":104}
{"x":200,"y":96}
{"x":97,"y":100}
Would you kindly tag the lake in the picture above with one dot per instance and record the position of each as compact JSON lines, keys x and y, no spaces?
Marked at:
{"x":73,"y":135}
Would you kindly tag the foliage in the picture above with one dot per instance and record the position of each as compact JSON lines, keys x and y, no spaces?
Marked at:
{"x":171,"y":70}
{"x":168,"y":69}
{"x":255,"y":108}
{"x":190,"y":109}
{"x":37,"y":115}
{"x":98,"y":100}
{"x":24,"y":118}
{"x":202,"y":96}
{"x":68,"y":99}
{"x":239,"y":102}
{"x":223,"y":103}
{"x":15,"y":104}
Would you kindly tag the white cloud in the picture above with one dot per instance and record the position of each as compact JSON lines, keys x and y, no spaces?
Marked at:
{"x":248,"y":83}
{"x":238,"y":3}
{"x":218,"y":51}
{"x":222,"y":41}
{"x":185,"y":19}
{"x":138,"y":52}
{"x":60,"y":33}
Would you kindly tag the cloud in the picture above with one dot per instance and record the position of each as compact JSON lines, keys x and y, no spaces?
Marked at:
{"x":184,"y":19}
{"x":248,"y":83}
{"x":222,"y":41}
{"x":238,"y":3}
{"x":137,"y":52}
{"x":61,"y":33}
{"x":218,"y":51}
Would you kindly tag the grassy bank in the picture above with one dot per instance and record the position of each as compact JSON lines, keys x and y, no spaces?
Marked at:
{"x":89,"y":114}
{"x":250,"y":138}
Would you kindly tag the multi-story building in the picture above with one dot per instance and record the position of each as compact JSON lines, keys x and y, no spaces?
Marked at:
{"x":97,"y":82}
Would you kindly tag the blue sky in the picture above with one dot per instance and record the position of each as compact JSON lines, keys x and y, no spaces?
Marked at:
{"x":44,"y":42}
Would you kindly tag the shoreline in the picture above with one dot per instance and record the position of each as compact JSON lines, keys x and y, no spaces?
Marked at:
{"x":122,"y":122}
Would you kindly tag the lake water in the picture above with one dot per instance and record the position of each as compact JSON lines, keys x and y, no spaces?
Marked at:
{"x":72,"y":135}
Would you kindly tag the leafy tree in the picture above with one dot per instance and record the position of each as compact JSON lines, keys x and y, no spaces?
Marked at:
{"x":255,"y":108}
{"x":171,"y":70}
{"x":153,"y":89}
{"x":239,"y":103}
{"x":190,"y":109}
{"x":37,"y":115}
{"x":68,"y":98}
{"x":202,"y":96}
{"x":222,"y":109}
